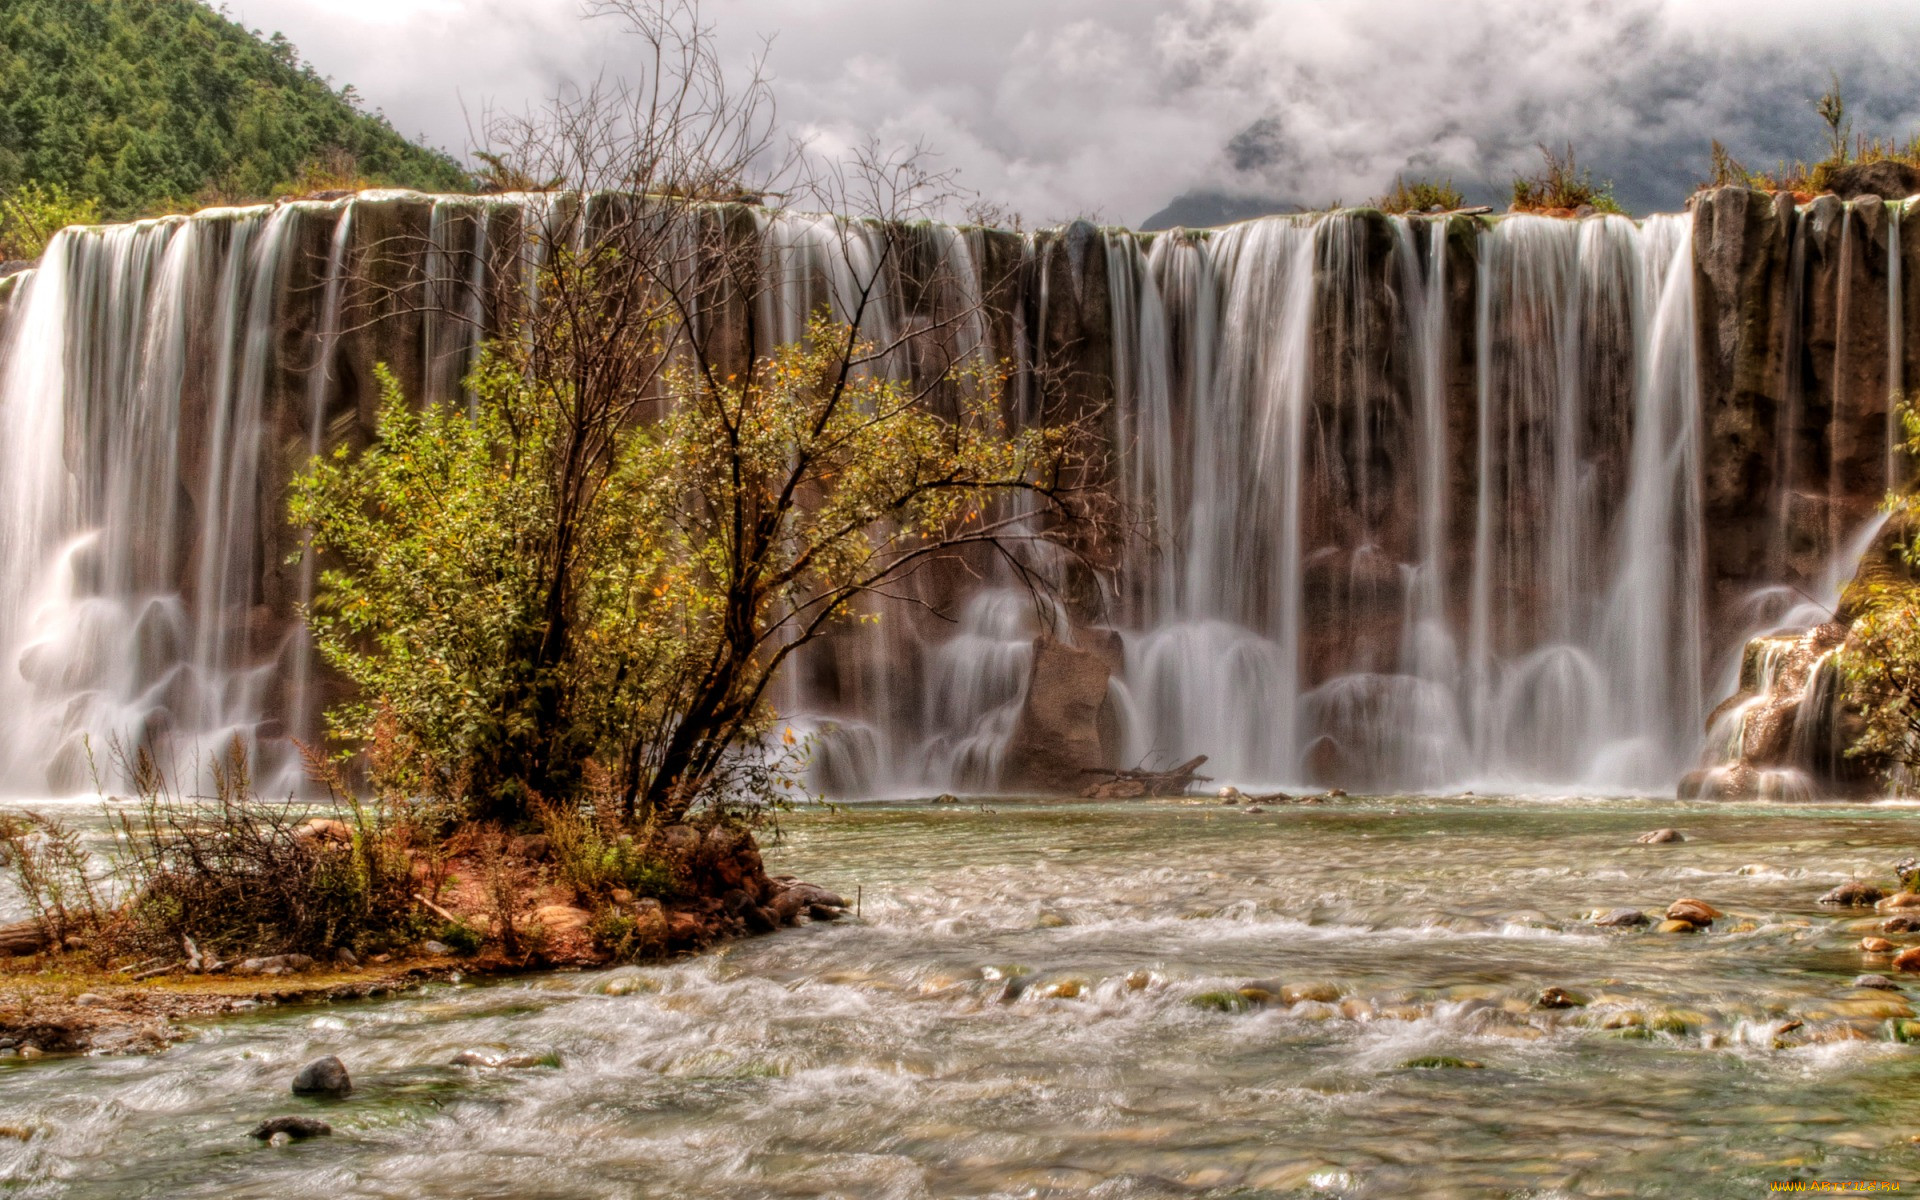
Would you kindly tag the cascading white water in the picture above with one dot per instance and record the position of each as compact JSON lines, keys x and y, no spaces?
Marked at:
{"x":1424,"y":493}
{"x":134,"y":533}
{"x":1577,"y":657}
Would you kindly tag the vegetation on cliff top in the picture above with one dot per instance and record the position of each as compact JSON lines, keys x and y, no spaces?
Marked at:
{"x":1562,"y":187}
{"x":143,"y":105}
{"x":1806,"y":179}
{"x":1420,"y":195}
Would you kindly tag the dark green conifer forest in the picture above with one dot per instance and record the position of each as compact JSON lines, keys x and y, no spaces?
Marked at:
{"x":143,"y":106}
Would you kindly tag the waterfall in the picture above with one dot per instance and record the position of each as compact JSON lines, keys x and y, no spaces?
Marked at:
{"x":135,"y":395}
{"x":1423,"y":495}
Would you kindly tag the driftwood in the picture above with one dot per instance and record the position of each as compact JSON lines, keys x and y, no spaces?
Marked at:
{"x":436,"y":910}
{"x":1137,"y":781}
{"x":23,"y":937}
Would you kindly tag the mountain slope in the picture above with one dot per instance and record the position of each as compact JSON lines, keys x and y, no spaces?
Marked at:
{"x":148,"y":103}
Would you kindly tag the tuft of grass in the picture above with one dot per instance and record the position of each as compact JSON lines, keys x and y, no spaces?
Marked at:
{"x":1562,"y":187}
{"x":1420,"y":195}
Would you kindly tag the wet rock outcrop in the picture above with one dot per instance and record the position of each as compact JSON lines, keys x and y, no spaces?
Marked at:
{"x":1066,"y":724}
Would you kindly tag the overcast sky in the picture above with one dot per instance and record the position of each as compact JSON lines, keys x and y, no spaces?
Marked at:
{"x":1112,"y":108}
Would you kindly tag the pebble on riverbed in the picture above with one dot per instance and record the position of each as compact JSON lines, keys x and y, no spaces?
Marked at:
{"x":1907,"y":960}
{"x":1693,"y":912}
{"x":1621,"y":918}
{"x":1875,"y":981}
{"x":1660,"y":837}
{"x":1876,"y":945}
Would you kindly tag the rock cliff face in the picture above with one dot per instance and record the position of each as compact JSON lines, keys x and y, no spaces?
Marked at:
{"x":1430,"y":500}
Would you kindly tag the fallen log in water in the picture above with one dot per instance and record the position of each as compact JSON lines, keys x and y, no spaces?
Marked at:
{"x":1137,"y":781}
{"x":22,"y":937}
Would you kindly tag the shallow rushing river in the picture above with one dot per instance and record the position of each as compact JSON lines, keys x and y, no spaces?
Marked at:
{"x":889,"y":1057}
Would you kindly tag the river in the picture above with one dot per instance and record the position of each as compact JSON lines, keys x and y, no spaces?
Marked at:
{"x":1041,"y":1000}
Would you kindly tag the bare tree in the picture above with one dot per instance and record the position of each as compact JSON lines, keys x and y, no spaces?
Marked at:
{"x":638,"y":290}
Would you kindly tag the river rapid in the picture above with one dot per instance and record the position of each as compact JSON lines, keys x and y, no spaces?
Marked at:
{"x":1043,"y":1000}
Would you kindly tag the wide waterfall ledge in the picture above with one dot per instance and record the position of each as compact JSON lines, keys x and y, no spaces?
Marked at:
{"x":1436,"y":502}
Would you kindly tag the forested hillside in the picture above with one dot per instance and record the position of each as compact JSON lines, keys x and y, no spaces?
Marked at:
{"x":142,"y":105}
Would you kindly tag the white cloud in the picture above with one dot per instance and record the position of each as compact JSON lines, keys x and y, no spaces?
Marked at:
{"x":1058,"y":107}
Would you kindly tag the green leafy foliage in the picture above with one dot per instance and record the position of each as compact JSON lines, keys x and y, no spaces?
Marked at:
{"x":753,"y":512}
{"x":146,"y":104}
{"x":595,"y":857}
{"x":1881,"y":658}
{"x":32,"y":213}
{"x":462,"y":938}
{"x":435,"y":528}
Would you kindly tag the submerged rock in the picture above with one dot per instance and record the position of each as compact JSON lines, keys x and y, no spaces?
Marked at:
{"x":1899,"y":900}
{"x":1876,"y":945}
{"x":323,"y":1077}
{"x":492,"y":1061}
{"x":1900,"y":925}
{"x":1675,"y":925}
{"x":1875,"y":981}
{"x":1554,"y":997}
{"x":1907,"y":960}
{"x":291,"y":1128}
{"x":1621,"y":918}
{"x":1660,"y":837}
{"x":1855,"y":893}
{"x":1222,"y":1001}
{"x":1318,"y":990}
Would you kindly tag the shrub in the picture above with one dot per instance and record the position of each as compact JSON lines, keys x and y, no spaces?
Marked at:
{"x":623,"y":937}
{"x":1562,"y":186}
{"x":460,"y":937}
{"x":595,"y":857}
{"x":1880,"y":660}
{"x":1420,"y":195}
{"x":31,"y":214}
{"x":239,"y":875}
{"x":55,"y":875}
